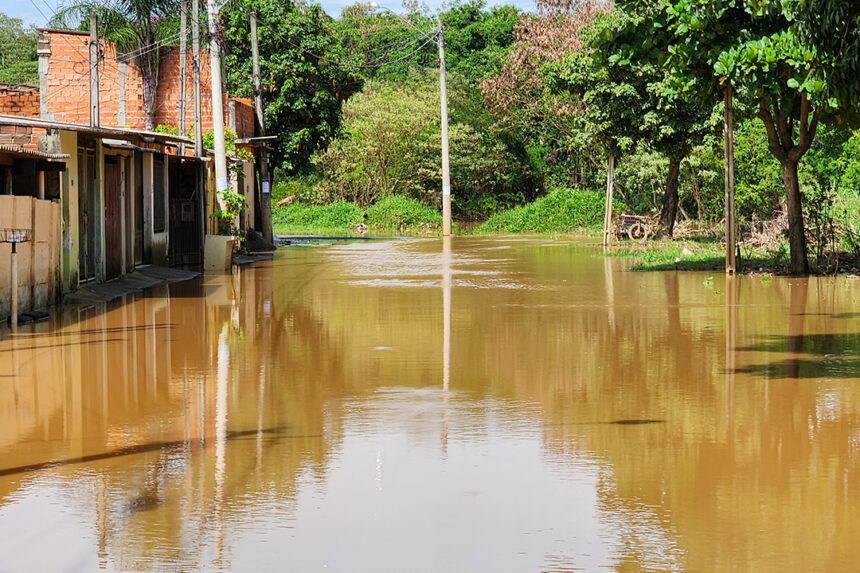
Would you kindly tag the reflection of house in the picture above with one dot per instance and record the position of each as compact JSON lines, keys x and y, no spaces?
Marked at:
{"x":123,"y":196}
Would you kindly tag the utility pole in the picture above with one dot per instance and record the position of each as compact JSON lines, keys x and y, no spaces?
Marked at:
{"x":94,"y":71}
{"x":183,"y":36}
{"x":607,"y":214}
{"x":195,"y":66}
{"x":265,"y":183}
{"x":217,"y":105}
{"x":728,"y":132}
{"x":446,"y":172}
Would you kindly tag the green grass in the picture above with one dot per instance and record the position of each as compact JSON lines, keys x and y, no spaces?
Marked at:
{"x":561,"y":211}
{"x":667,"y":255}
{"x":399,"y":215}
{"x":330,"y":219}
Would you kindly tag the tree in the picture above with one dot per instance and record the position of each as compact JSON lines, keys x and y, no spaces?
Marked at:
{"x":138,"y":29}
{"x":305,"y":73}
{"x":669,"y":121}
{"x":18,"y":62}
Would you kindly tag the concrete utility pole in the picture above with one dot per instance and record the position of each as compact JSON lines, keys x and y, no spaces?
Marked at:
{"x":217,"y":105}
{"x":183,"y":47}
{"x":728,"y":132}
{"x":446,"y":172}
{"x":195,"y":66}
{"x":607,"y":213}
{"x":265,"y":182}
{"x":94,"y":71}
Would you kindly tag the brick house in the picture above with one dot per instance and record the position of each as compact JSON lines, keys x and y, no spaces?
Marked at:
{"x":125,"y":196}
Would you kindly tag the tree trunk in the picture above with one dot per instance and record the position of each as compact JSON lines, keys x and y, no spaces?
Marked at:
{"x":669,"y":212}
{"x":150,"y":84}
{"x":799,"y":264}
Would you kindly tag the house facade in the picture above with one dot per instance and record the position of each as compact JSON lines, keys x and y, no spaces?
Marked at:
{"x":106,"y":198}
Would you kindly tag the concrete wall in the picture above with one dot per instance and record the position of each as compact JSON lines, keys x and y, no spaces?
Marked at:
{"x":38,"y":260}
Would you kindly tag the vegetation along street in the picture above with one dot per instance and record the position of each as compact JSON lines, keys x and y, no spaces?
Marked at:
{"x":446,"y":286}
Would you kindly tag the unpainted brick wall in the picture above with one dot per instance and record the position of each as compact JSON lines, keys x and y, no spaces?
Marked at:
{"x":68,"y":86}
{"x":19,"y":100}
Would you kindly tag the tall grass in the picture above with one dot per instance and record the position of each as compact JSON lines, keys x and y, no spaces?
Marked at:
{"x":561,"y":211}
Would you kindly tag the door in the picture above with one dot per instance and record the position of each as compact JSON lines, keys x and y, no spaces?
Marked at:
{"x":113,"y":218}
{"x":87,"y":213}
{"x":137,"y":192}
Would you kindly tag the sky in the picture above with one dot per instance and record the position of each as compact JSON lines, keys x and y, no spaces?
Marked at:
{"x":37,"y":12}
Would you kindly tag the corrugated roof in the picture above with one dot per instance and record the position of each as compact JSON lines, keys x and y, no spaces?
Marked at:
{"x":31,"y":153}
{"x":114,"y":132}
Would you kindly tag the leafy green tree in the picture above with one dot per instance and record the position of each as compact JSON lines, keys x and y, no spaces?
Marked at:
{"x":709,"y":45}
{"x":18,"y":62}
{"x":304,"y":71}
{"x":391,"y":145}
{"x":137,"y":28}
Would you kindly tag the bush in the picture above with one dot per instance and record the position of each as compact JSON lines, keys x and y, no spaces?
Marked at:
{"x":300,"y":217}
{"x":562,"y":210}
{"x":401,"y":213}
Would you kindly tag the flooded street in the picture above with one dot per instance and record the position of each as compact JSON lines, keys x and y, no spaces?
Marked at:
{"x":411,"y":405}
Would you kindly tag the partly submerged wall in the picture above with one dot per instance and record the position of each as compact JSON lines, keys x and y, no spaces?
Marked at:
{"x":38,"y":260}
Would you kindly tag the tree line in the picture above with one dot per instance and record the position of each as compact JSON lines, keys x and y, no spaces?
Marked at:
{"x":542,"y":100}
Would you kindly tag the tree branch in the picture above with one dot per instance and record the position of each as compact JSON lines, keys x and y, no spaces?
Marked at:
{"x":772,"y":136}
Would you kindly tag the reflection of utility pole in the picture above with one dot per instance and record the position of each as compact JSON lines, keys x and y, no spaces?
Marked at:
{"x":446,"y":175}
{"x":217,"y":105}
{"x":446,"y":336}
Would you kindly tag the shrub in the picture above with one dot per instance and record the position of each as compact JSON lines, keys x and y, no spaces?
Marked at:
{"x":401,"y":213}
{"x":560,"y":211}
{"x":302,"y":217}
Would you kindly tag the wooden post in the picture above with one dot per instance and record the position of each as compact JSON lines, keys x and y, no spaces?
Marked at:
{"x":183,"y":34}
{"x":728,"y":132}
{"x":14,"y":316}
{"x":41,"y":188}
{"x":94,"y":71}
{"x":265,"y":180}
{"x":195,"y":66}
{"x":607,"y":216}
{"x":446,"y":170}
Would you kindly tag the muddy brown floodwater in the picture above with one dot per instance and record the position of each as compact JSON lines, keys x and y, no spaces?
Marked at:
{"x":410,"y":405}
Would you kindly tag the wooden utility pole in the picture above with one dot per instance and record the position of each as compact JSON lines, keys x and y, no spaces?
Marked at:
{"x":217,"y":105}
{"x":265,"y":181}
{"x":183,"y":47}
{"x":195,"y":67}
{"x":446,"y":171}
{"x":94,"y":71}
{"x":607,"y":214}
{"x":728,"y":132}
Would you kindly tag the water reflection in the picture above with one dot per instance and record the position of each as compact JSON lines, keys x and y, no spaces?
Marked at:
{"x":586,"y":417}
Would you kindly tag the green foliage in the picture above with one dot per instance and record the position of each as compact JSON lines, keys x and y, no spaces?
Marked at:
{"x":301,"y":218}
{"x":228,"y":218}
{"x":561,"y":211}
{"x":303,"y":82}
{"x":18,"y":61}
{"x":391,"y":145}
{"x":401,"y":213}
